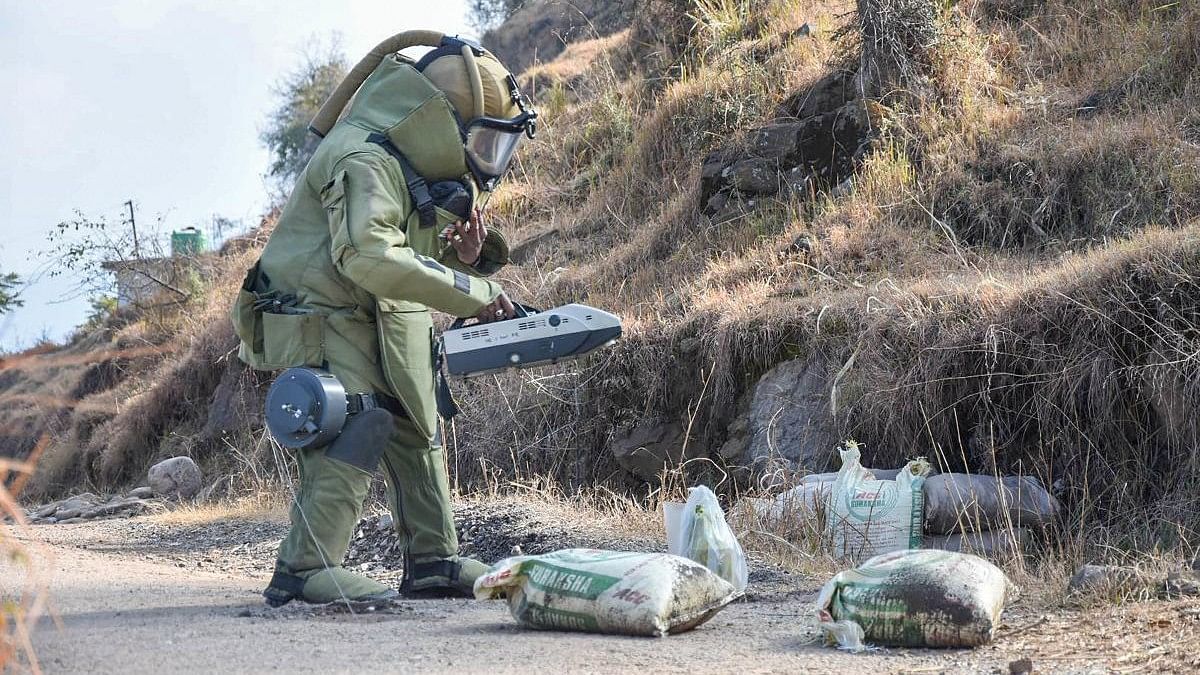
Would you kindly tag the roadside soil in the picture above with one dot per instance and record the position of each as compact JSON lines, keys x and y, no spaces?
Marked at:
{"x":180,"y":593}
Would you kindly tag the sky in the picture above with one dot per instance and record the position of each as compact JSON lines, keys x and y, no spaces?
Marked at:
{"x":156,"y":101}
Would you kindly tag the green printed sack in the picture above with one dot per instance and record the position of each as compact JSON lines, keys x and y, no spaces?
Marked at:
{"x":920,"y":598}
{"x":607,"y":591}
{"x":866,"y":517}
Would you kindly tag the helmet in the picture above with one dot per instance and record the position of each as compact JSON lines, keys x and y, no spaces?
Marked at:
{"x":493,"y":113}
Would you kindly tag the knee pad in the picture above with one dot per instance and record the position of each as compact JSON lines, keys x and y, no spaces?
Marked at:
{"x":363,"y":439}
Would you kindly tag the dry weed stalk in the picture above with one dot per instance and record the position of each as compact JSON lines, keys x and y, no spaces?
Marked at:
{"x":20,"y":608}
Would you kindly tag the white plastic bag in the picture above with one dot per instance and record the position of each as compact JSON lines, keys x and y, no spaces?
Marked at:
{"x":867,"y":517}
{"x":914,"y":599}
{"x":607,"y":591}
{"x":704,"y":536}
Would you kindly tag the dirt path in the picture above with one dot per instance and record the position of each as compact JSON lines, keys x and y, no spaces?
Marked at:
{"x":129,"y":603}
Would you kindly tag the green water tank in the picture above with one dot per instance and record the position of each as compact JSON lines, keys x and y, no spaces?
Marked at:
{"x":188,"y":241}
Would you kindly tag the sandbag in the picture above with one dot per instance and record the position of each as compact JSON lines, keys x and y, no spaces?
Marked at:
{"x":866,"y":516}
{"x":913,"y":599}
{"x":607,"y":591}
{"x":802,"y":501}
{"x":879,"y":474}
{"x":706,"y":538}
{"x":993,"y":543}
{"x":961,"y":502}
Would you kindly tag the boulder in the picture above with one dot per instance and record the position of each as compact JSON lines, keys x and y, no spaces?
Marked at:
{"x":646,"y":449}
{"x":785,"y":421}
{"x":778,"y":142}
{"x":178,"y":478}
{"x":753,"y":176}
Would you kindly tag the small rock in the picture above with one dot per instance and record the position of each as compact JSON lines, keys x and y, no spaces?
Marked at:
{"x":143,"y":492}
{"x":178,"y":477}
{"x":716,"y":203}
{"x":1107,"y":579}
{"x":124,"y":505}
{"x":843,"y":188}
{"x":1185,"y":583}
{"x":78,"y":502}
{"x":1020,"y":667}
{"x":68,"y":513}
{"x":802,"y":244}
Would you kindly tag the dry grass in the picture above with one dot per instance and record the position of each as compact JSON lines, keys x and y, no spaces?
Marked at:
{"x":259,"y":506}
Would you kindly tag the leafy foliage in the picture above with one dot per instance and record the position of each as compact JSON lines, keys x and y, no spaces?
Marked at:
{"x":487,"y":14}
{"x":10,"y":292}
{"x":299,"y":95}
{"x":103,"y":306}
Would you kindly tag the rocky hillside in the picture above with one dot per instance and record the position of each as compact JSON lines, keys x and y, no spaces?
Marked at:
{"x":961,"y":230}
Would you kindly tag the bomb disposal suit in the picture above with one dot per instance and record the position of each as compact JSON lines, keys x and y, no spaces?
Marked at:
{"x":346,"y":283}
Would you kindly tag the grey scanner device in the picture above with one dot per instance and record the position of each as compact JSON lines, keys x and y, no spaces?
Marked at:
{"x":551,"y":336}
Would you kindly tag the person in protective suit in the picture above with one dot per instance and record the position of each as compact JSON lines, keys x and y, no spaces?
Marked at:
{"x":374,"y":236}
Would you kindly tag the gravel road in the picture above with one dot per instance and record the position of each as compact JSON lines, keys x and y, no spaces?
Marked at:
{"x":127,"y":602}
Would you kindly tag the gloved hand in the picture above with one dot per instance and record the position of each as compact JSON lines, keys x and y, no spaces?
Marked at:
{"x":497,"y":310}
{"x":467,"y":238}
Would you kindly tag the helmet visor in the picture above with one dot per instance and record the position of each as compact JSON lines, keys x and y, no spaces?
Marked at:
{"x":491,"y":148}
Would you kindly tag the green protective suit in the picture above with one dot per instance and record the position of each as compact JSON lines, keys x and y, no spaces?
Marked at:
{"x":355,"y":274}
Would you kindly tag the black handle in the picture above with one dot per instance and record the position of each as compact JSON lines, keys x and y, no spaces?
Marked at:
{"x":522,"y":311}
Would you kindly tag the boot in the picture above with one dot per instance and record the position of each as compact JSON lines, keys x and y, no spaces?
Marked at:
{"x":438,"y":577}
{"x":324,"y":514}
{"x":323,"y":586}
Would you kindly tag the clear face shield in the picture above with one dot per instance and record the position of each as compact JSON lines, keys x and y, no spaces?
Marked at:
{"x":491,"y":144}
